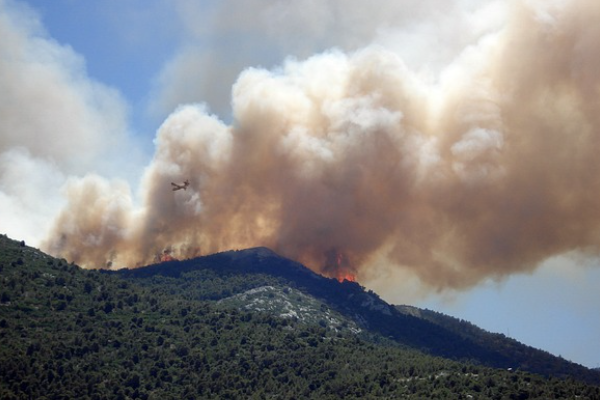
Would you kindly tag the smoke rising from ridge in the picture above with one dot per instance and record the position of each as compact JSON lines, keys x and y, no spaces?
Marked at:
{"x":55,"y":122}
{"x":486,"y":171}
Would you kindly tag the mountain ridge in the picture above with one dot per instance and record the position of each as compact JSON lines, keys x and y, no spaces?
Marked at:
{"x":441,"y":336}
{"x":204,"y":329}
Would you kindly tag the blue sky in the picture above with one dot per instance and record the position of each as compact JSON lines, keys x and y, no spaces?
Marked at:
{"x":124,"y":44}
{"x":133,"y":63}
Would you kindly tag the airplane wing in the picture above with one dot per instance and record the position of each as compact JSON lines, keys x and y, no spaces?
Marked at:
{"x":177,"y":186}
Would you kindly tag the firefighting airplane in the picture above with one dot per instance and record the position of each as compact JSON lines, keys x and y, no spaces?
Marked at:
{"x":179,"y":187}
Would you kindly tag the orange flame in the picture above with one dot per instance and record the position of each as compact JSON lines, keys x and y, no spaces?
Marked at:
{"x":338,"y":266}
{"x":345,"y":276}
{"x":165,"y":256}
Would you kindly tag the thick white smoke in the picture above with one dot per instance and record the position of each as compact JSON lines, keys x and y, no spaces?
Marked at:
{"x":54,"y":122}
{"x":455,"y":167}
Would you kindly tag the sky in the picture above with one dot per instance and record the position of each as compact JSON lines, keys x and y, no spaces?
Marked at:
{"x":440,"y":151}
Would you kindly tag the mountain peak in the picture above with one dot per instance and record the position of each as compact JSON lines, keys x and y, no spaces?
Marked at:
{"x":261,"y":252}
{"x":238,"y":299}
{"x":277,"y":277}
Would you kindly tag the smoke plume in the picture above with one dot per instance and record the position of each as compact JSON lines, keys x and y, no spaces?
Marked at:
{"x":486,"y":171}
{"x":55,"y":122}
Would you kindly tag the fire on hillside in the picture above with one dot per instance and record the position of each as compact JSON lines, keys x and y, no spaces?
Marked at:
{"x":338,"y":266}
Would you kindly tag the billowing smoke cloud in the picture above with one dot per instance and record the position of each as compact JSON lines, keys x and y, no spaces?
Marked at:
{"x":427,"y":34}
{"x":54,"y":122}
{"x":485,"y":171}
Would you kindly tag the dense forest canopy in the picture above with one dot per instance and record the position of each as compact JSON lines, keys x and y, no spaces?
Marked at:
{"x":66,"y":332}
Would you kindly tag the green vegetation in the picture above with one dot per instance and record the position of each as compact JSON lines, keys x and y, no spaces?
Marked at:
{"x":520,"y":355}
{"x":227,"y":276}
{"x":70,"y":333}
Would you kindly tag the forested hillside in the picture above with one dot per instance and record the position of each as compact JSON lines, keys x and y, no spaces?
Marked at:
{"x":234,"y":272}
{"x":71,"y":333}
{"x":519,"y":354}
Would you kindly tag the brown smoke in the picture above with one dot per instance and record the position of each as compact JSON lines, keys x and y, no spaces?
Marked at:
{"x":487,"y":172}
